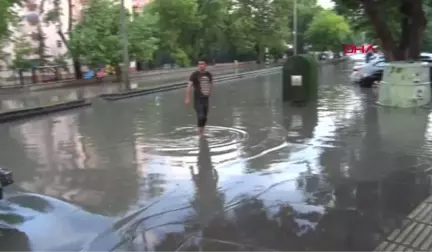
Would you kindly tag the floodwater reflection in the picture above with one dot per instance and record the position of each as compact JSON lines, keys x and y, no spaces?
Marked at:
{"x":208,"y":200}
{"x":336,"y":174}
{"x":30,"y":222}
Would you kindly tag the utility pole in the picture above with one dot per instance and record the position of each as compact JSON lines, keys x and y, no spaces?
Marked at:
{"x":124,"y":40}
{"x":266,"y":49}
{"x":295,"y":27}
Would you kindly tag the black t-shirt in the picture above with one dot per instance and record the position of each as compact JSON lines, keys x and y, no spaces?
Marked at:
{"x":201,"y":82}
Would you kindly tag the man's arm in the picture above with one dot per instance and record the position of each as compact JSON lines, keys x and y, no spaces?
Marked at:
{"x":210,"y":76}
{"x":188,"y":88}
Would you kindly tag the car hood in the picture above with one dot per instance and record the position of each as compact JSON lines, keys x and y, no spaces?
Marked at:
{"x":31,"y":222}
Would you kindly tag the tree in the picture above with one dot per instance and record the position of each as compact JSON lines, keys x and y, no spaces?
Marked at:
{"x":22,"y":49}
{"x":178,"y":25}
{"x":427,"y":40}
{"x":306,"y":11}
{"x":8,"y":17}
{"x":212,"y":30}
{"x":267,"y":23}
{"x":143,"y":36}
{"x":328,"y":31}
{"x":390,"y":19}
{"x":97,"y":37}
{"x":53,"y":17}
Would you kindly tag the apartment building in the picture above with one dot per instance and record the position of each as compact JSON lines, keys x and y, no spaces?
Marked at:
{"x":33,"y":13}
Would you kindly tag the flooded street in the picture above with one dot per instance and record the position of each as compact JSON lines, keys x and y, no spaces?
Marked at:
{"x":337,"y":174}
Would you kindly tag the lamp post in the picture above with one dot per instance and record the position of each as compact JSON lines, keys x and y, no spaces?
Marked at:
{"x":124,"y":40}
{"x":266,"y":49}
{"x":295,"y":27}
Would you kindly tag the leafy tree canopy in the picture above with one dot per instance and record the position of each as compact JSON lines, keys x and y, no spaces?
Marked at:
{"x":328,"y":31}
{"x":96,"y":39}
{"x":398,"y":25}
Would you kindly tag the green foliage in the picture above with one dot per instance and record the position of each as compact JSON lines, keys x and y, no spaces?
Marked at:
{"x":196,"y":28}
{"x":397,"y":26}
{"x":427,"y":40}
{"x":328,"y":31}
{"x":188,"y":30}
{"x":178,"y":26}
{"x":143,"y":36}
{"x":306,"y":11}
{"x":96,"y":39}
{"x":52,"y":16}
{"x":264,"y":23}
{"x":8,"y":17}
{"x":22,"y":49}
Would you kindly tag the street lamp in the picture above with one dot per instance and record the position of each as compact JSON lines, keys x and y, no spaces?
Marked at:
{"x":266,"y":49}
{"x":295,"y":27}
{"x":124,"y":40}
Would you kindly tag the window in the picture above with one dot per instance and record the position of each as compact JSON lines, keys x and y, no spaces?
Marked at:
{"x":380,"y":64}
{"x":425,"y":58}
{"x":59,"y":43}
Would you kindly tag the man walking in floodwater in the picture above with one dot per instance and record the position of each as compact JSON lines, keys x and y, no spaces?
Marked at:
{"x":202,"y":82}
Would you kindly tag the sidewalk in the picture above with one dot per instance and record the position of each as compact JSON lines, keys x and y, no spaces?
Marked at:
{"x":30,"y":99}
{"x":416,"y":232}
{"x":13,"y":85}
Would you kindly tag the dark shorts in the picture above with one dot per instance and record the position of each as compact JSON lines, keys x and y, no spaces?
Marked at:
{"x":201,"y":106}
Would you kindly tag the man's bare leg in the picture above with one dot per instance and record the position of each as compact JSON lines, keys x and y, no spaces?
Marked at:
{"x":200,"y":131}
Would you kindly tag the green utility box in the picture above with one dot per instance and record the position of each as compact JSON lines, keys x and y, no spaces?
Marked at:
{"x":300,"y":78}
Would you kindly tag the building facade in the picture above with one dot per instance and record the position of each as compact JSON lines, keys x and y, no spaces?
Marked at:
{"x":33,"y":14}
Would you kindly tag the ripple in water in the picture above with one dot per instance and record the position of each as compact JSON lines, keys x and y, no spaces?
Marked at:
{"x":184,"y":139}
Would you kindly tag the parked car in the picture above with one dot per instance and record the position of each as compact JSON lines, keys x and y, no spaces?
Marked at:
{"x":371,"y":72}
{"x":356,"y":74}
{"x":358,"y":57}
{"x":426,"y":57}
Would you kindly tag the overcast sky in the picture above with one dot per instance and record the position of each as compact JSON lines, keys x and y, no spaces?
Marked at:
{"x":326,"y":3}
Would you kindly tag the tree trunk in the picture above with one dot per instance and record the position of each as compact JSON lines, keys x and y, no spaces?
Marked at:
{"x":118,"y":72}
{"x":76,"y":63}
{"x":418,"y":26}
{"x":413,"y":25}
{"x":381,"y":30}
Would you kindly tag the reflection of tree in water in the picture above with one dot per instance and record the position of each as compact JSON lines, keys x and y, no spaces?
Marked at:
{"x":315,"y":188}
{"x":362,"y":210}
{"x":31,"y":202}
{"x":208,"y":201}
{"x":154,"y":184}
{"x":114,"y":180}
{"x":353,"y":224}
{"x":10,"y":208}
{"x":12,"y":239}
{"x":15,"y":157}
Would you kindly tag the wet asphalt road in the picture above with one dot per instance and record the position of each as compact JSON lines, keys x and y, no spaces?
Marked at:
{"x":337,"y":174}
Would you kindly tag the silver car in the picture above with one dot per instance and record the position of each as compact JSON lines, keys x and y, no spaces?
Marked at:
{"x":371,"y":72}
{"x":360,"y":62}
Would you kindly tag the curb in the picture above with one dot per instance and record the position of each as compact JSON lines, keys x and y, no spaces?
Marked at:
{"x":333,"y":61}
{"x":134,"y":93}
{"x":133,"y":75}
{"x":26,"y":113}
